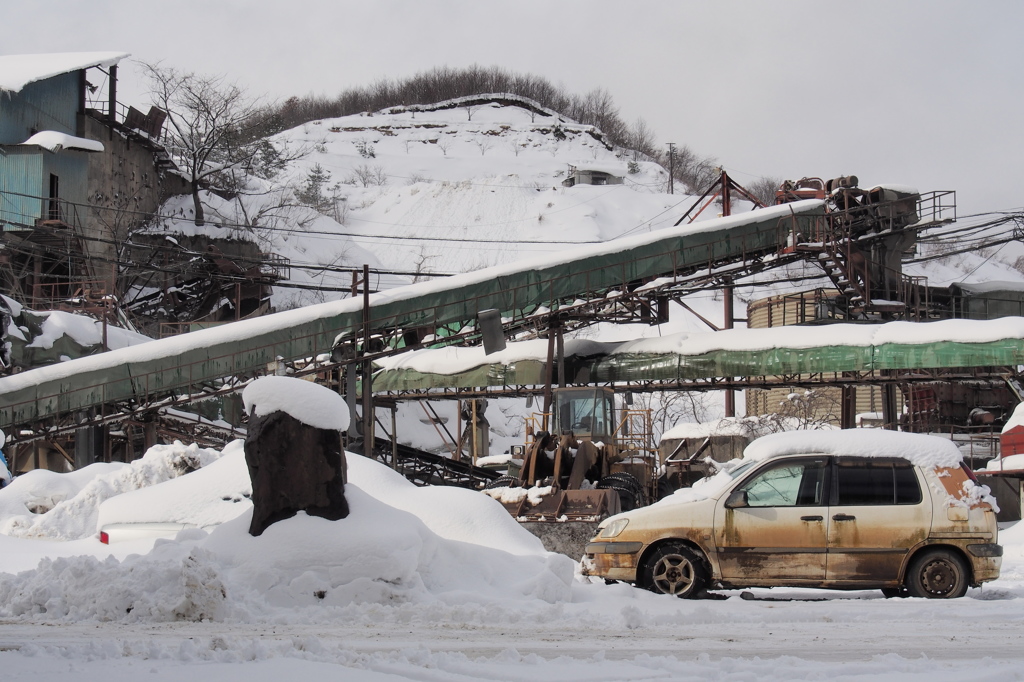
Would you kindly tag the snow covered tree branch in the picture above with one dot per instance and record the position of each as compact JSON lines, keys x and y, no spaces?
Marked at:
{"x":213,"y":125}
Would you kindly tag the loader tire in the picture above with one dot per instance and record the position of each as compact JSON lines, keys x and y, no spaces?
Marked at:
{"x":631,"y":492}
{"x":502,"y":482}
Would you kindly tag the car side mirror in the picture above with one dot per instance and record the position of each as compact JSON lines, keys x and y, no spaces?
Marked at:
{"x":736,"y":499}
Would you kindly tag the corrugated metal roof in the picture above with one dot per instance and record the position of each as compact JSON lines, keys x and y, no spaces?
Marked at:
{"x":18,"y":70}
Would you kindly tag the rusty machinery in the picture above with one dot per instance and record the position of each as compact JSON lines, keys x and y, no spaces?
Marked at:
{"x":860,"y":244}
{"x":583,"y":461}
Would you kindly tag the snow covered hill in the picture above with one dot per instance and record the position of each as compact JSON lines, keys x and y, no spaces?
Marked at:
{"x":465,"y":184}
{"x":420,"y":182}
{"x":444,"y":189}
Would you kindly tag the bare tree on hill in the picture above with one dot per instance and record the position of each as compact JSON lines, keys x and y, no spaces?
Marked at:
{"x":213,"y":125}
{"x":764,"y":189}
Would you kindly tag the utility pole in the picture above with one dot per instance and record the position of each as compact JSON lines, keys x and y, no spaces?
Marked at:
{"x":367,"y":369}
{"x":671,"y":167}
{"x":728,"y":292}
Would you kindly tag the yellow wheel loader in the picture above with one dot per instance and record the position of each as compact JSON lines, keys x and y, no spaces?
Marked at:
{"x":582,"y":462}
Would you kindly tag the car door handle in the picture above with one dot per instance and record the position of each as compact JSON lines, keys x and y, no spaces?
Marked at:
{"x":844,"y":517}
{"x":810,"y":518}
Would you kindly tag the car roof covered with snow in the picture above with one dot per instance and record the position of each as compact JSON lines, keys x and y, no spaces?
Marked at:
{"x":919,"y":449}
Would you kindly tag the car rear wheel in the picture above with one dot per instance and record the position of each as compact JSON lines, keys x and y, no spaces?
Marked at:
{"x":937,"y":574}
{"x":675,"y":569}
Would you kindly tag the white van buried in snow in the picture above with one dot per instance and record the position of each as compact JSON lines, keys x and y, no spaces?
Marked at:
{"x":852,"y":509}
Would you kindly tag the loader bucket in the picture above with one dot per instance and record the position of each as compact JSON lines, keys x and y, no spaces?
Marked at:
{"x":568,"y":505}
{"x":569,"y":538}
{"x":567,"y":519}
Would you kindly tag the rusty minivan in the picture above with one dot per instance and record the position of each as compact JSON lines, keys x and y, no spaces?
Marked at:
{"x":853,"y":509}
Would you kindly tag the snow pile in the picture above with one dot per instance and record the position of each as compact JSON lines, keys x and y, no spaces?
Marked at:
{"x":509,"y":495}
{"x":971,"y":495}
{"x":308,"y":402}
{"x":399,"y":544}
{"x":1016,"y":419}
{"x":5,"y":474}
{"x":453,"y":513}
{"x":170,"y":583}
{"x":44,"y":504}
{"x":216,"y":493}
{"x":1008,"y":463}
{"x":85,"y":331}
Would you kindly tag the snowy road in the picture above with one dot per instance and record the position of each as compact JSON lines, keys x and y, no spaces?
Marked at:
{"x":607,"y":633}
{"x":832,"y":632}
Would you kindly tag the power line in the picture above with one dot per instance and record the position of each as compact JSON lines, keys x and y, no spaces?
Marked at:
{"x":303,"y":231}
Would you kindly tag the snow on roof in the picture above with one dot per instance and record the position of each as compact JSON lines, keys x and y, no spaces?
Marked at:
{"x":54,"y":141}
{"x":18,"y":70}
{"x":84,"y":331}
{"x":960,"y":331}
{"x":455,"y":360}
{"x":306,"y":401}
{"x":917,"y":448}
{"x":601,"y":167}
{"x":989,"y":287}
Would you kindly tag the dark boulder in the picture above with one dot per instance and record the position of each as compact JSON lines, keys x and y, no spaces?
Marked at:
{"x":294,"y":467}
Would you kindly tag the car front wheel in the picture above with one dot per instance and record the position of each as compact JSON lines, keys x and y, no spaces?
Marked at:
{"x":937,"y":574}
{"x":675,"y":569}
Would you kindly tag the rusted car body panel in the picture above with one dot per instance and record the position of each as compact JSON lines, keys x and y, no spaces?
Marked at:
{"x":846,"y":546}
{"x":786,"y":543}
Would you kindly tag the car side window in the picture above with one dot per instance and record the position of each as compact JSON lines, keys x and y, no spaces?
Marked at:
{"x":787,"y":484}
{"x":865,"y":481}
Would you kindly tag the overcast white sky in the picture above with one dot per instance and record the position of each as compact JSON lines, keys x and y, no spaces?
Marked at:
{"x":921,"y":93}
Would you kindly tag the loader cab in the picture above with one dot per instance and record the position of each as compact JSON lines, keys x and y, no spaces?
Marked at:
{"x":585,"y":412}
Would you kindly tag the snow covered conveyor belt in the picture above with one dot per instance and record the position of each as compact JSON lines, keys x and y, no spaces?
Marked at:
{"x":711,"y":355}
{"x":158,"y":370}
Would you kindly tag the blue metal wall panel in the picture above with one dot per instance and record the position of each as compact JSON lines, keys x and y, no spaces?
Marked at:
{"x":21,"y":173}
{"x":50,"y":104}
{"x":72,"y":169}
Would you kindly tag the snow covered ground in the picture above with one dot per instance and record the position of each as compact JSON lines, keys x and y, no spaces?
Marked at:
{"x":417,"y":584}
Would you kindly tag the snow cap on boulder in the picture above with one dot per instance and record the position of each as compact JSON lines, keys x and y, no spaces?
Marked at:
{"x":302,"y":400}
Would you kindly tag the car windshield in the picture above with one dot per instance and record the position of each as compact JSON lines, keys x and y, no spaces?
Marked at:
{"x":742,"y":469}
